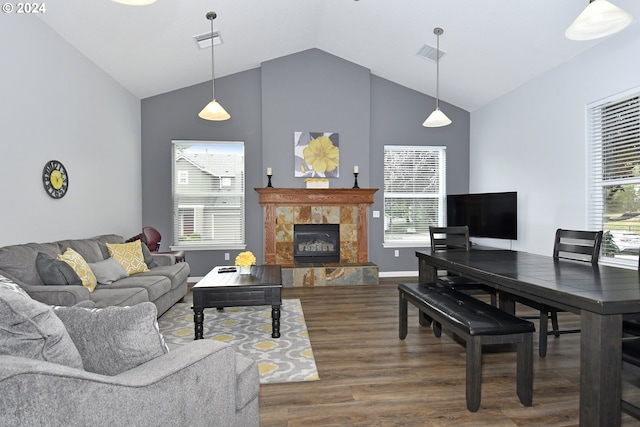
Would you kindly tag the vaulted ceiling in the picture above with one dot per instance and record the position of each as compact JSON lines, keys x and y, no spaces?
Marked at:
{"x":491,"y":46}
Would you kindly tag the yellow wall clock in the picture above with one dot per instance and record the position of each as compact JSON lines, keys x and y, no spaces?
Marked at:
{"x":55,"y":179}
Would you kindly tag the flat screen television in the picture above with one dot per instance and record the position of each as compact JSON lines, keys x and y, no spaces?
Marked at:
{"x":493,"y":215}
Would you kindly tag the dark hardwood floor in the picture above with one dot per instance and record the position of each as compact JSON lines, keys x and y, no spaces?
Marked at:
{"x":368,"y":377}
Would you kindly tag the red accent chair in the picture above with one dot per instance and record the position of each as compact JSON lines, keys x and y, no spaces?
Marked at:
{"x":151,"y":237}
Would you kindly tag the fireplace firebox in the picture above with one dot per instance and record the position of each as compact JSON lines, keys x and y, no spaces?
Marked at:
{"x":316,"y":243}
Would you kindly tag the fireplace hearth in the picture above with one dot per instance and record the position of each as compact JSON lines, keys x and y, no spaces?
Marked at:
{"x":316,"y":243}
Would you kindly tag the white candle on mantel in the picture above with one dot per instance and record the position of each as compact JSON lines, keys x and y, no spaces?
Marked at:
{"x":355,"y":169}
{"x":269,"y":171}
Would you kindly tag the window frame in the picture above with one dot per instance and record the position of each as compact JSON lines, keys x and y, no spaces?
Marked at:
{"x":207,"y":196}
{"x":440,"y":196}
{"x":600,"y":157}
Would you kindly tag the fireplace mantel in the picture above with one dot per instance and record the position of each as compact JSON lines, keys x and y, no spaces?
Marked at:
{"x":272,"y":198}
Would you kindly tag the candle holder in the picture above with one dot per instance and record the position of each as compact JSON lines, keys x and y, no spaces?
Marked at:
{"x":355,"y":184}
{"x":269,"y":183}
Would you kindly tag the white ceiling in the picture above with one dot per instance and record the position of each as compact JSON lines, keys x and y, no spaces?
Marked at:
{"x":492,"y":46}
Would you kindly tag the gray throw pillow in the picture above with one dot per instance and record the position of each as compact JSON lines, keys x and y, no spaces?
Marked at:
{"x":148,"y":257}
{"x":55,"y":272}
{"x":29,"y":328}
{"x":108,"y":271}
{"x":113,"y":340}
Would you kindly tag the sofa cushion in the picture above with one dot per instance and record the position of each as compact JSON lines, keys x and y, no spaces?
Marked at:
{"x":106,"y":296}
{"x":156,"y":286}
{"x":20,"y":260}
{"x":30,"y":329}
{"x":113,"y":340}
{"x":55,"y":272}
{"x":108,"y":271}
{"x":93,"y":249}
{"x":177,"y":273}
{"x":81,"y":267}
{"x":129,"y":255}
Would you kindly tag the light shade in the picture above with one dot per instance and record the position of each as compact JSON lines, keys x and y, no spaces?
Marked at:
{"x":214,"y":111}
{"x":436,"y":119}
{"x":135,"y":2}
{"x":599,"y":19}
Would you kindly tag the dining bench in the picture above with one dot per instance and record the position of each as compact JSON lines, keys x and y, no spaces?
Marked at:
{"x":478,"y":323}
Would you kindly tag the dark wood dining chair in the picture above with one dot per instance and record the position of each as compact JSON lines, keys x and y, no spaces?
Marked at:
{"x":631,"y":325}
{"x":631,"y":364}
{"x":631,"y":355}
{"x":457,"y":238}
{"x":574,"y":245}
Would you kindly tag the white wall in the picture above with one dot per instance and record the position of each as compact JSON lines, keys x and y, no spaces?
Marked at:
{"x":533,"y":140}
{"x":56,"y":104}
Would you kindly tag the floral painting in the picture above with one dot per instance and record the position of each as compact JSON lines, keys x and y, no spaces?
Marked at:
{"x":316,"y":154}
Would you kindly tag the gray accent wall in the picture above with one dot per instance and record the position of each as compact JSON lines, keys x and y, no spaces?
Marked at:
{"x":308,"y":91}
{"x":317,"y":92}
{"x":397,"y":114}
{"x":55,"y":104}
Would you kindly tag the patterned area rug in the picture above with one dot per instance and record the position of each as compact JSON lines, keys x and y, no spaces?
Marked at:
{"x":285,"y":359}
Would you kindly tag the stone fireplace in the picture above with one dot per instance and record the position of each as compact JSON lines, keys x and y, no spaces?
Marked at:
{"x":286,"y":207}
{"x":343,"y":210}
{"x":316,"y":243}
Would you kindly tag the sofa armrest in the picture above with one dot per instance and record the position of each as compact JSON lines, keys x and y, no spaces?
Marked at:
{"x":193,"y":385}
{"x":66,"y":295}
{"x":164,"y":259}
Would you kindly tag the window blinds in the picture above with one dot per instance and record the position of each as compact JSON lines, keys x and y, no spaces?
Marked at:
{"x":414,"y":192}
{"x":208,"y":194}
{"x":614,"y":168}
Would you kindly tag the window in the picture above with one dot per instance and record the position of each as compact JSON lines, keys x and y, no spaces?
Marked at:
{"x":208,"y":194}
{"x":414,"y":193}
{"x":614,"y":182}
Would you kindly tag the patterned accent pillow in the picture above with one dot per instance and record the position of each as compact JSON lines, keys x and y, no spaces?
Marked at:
{"x":80,"y":266}
{"x":113,"y":340}
{"x":129,"y":255}
{"x":29,"y":328}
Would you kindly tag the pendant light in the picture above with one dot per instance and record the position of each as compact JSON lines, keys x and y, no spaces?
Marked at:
{"x":213,"y":110}
{"x":437,"y":118}
{"x":599,"y":19}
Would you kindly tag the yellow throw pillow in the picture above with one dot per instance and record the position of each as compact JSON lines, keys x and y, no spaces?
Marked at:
{"x":129,"y":255}
{"x":80,"y":266}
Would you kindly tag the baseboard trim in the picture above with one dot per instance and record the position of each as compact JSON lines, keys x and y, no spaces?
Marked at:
{"x":398,"y":274}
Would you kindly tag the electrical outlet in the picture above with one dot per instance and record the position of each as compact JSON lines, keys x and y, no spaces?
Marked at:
{"x":226,"y":256}
{"x":396,"y":253}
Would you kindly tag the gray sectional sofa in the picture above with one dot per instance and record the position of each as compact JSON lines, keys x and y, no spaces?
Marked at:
{"x":83,"y":366}
{"x":164,"y":284}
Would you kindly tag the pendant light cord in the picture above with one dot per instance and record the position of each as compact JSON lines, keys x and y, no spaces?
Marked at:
{"x":211,"y":16}
{"x":438,"y":31}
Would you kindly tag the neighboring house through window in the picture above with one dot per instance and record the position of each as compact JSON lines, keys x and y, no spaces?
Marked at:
{"x":614,"y":176}
{"x":208,"y":195}
{"x":414,"y":193}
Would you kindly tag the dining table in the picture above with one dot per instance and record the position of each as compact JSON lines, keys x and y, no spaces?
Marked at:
{"x":600,"y":294}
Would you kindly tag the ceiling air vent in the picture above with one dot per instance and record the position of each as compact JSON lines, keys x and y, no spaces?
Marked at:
{"x":430,"y":52}
{"x":204,"y":40}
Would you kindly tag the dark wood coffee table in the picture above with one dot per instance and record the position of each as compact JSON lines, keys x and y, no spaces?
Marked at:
{"x":219,"y":290}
